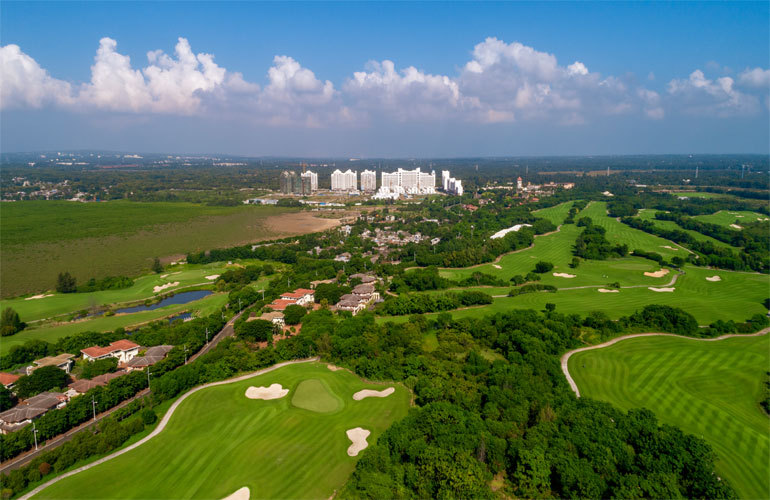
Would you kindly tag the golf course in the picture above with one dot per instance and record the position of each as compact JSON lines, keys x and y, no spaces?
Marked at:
{"x":709,"y":389}
{"x":218,"y":440}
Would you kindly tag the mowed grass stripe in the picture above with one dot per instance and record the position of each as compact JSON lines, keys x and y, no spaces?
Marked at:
{"x":220,"y":441}
{"x":709,"y":389}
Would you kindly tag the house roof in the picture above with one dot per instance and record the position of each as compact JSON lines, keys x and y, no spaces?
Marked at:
{"x":271,"y":316}
{"x":21,"y":413}
{"x":45,"y":400}
{"x":281,"y":304}
{"x":83,"y":385}
{"x":363,"y":289}
{"x":151,"y":356}
{"x":305,"y":291}
{"x":53,"y":360}
{"x":118,"y":345}
{"x":8,"y":378}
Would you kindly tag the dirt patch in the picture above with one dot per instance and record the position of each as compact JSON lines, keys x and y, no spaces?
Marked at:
{"x":160,"y":288}
{"x":298,"y":223}
{"x":333,"y":368}
{"x":664,"y":289}
{"x":40,"y":296}
{"x":607,"y":290}
{"x":713,"y":278}
{"x":358,"y":437}
{"x":657,"y":274}
{"x":242,"y":494}
{"x":368,"y":393}
{"x":564,"y":275}
{"x":275,"y":391}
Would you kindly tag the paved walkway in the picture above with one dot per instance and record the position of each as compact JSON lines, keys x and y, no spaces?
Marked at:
{"x":162,"y":424}
{"x":566,"y":356}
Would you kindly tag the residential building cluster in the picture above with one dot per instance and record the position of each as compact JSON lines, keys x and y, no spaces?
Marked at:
{"x":299,"y":297}
{"x":344,"y":181}
{"x":361,"y":297}
{"x":125,"y":351}
{"x":401,"y":182}
{"x":451,"y":185}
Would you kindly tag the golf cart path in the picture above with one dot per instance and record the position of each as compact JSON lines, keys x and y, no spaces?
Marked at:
{"x":567,"y":355}
{"x":163,"y":422}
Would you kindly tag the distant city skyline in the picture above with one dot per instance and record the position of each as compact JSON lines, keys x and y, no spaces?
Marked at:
{"x":386,"y":80}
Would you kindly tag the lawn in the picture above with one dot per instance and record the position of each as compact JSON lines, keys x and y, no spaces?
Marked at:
{"x":649,"y":214}
{"x":727,"y":217}
{"x":218,"y":441}
{"x":556,"y":213}
{"x":709,"y":389}
{"x":42,"y":239}
{"x":51,"y":332}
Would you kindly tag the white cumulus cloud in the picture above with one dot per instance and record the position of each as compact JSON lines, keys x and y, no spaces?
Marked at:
{"x":701,"y":95}
{"x":23,"y":83}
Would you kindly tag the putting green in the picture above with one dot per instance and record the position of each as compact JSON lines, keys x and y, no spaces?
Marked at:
{"x":314,"y":395}
{"x":218,"y":441}
{"x":709,"y":389}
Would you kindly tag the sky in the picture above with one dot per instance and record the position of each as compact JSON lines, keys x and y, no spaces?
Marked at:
{"x":391,"y":79}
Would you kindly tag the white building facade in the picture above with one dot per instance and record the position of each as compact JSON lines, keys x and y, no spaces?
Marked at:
{"x":344,"y":181}
{"x":313,"y":179}
{"x":368,"y":181}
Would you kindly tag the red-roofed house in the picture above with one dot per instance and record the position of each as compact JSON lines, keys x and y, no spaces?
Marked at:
{"x":281,"y":304}
{"x":8,"y":379}
{"x":122,"y":349}
{"x":300,"y":296}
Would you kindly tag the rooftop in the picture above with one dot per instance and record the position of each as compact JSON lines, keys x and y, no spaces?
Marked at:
{"x":8,"y":378}
{"x":54,"y":360}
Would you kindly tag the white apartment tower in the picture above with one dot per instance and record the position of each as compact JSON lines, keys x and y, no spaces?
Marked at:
{"x":445,"y":179}
{"x":344,"y":181}
{"x":368,"y":181}
{"x":313,"y":179}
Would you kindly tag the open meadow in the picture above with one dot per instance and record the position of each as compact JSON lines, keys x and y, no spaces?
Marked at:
{"x":728,"y":217}
{"x":40,"y":239}
{"x":218,"y":441}
{"x":709,"y":389}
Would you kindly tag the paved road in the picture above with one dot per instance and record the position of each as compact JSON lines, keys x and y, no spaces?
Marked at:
{"x":163,"y":422}
{"x":24,"y":458}
{"x":566,"y":356}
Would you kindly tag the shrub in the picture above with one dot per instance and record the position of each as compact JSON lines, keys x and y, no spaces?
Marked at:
{"x":293,"y":314}
{"x":10,"y":322}
{"x":543,"y":267}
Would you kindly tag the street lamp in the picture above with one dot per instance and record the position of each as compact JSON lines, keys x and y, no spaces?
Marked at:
{"x":34,"y":433}
{"x":148,"y":377}
{"x":185,"y":354}
{"x":207,"y":334}
{"x":93,"y":404}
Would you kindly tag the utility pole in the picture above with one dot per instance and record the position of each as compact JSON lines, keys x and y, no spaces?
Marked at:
{"x":207,"y":335}
{"x":34,"y":433}
{"x":263,"y":294}
{"x":93,"y":401}
{"x":239,"y":303}
{"x":185,"y":354}
{"x":148,"y":377}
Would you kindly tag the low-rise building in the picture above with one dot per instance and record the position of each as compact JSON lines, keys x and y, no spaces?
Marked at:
{"x":25,"y":412}
{"x":151,"y":356}
{"x":274,"y":317}
{"x":122,"y":349}
{"x":62,"y":361}
{"x":84,"y":385}
{"x":8,"y":379}
{"x":300,"y":296}
{"x":281,"y":304}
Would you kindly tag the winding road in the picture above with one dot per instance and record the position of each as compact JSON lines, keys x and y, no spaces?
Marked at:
{"x":163,"y":422}
{"x":567,"y":355}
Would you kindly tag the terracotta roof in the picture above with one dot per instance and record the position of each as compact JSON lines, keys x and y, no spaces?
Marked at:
{"x":118,"y":345}
{"x":280,"y":304}
{"x":123,"y":345}
{"x":304,"y":291}
{"x":96,"y":351}
{"x":8,"y":378}
{"x":292,"y":295}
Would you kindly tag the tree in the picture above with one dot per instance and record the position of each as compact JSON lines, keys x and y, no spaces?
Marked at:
{"x":43,"y":379}
{"x":93,"y":369}
{"x":293,"y":314}
{"x":10,"y":322}
{"x":65,"y":283}
{"x":543,"y":267}
{"x":575,"y":263}
{"x":157,"y":267}
{"x":550,"y":307}
{"x":7,"y":399}
{"x":258,"y":330}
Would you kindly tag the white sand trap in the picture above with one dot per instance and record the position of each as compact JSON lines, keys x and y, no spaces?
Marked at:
{"x":160,"y":288}
{"x":358,"y":436}
{"x":740,"y":216}
{"x":212,"y":277}
{"x":367,"y":393}
{"x":275,"y":391}
{"x":41,"y":296}
{"x":333,"y":368}
{"x":665,"y":289}
{"x":607,"y":290}
{"x":242,"y":494}
{"x":497,"y":266}
{"x":564,"y":275}
{"x":657,"y":274}
{"x":713,"y":278}
{"x":735,"y":226}
{"x":669,"y":247}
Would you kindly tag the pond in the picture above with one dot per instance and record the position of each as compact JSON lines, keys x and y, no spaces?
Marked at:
{"x":180,"y":298}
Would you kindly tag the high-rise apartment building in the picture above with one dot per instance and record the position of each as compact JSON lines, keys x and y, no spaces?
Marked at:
{"x":313,"y":179}
{"x":344,"y":181}
{"x":368,"y":180}
{"x":289,"y":182}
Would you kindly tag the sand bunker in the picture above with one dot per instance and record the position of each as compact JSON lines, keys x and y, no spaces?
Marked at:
{"x":669,"y":247}
{"x":333,"y":368}
{"x":41,"y":296}
{"x":713,"y":278}
{"x":657,"y":274}
{"x":735,"y":226}
{"x":367,"y":393}
{"x":275,"y":391}
{"x":564,"y":275}
{"x":212,"y":277}
{"x":358,"y":436}
{"x":160,"y":288}
{"x":497,"y":266}
{"x":242,"y":494}
{"x":666,"y":289}
{"x":607,"y":290}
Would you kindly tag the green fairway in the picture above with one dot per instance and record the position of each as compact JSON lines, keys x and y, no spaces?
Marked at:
{"x":555,"y":214}
{"x":648,"y":214}
{"x":219,"y":441}
{"x":727,"y":217}
{"x":313,"y":395}
{"x":51,"y":332}
{"x":709,"y":389}
{"x":42,"y":239}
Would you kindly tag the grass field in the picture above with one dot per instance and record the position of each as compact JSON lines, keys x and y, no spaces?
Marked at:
{"x":727,"y":217}
{"x":648,"y":214}
{"x":709,"y":389}
{"x":555,"y":214}
{"x":218,"y":441}
{"x":51,"y":332}
{"x":42,"y":239}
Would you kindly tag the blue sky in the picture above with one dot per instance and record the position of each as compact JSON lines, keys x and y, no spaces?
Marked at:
{"x":485,"y":78}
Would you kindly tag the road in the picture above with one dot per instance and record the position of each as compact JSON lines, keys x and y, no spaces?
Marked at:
{"x":566,"y":356}
{"x":163,"y":422}
{"x":24,"y":458}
